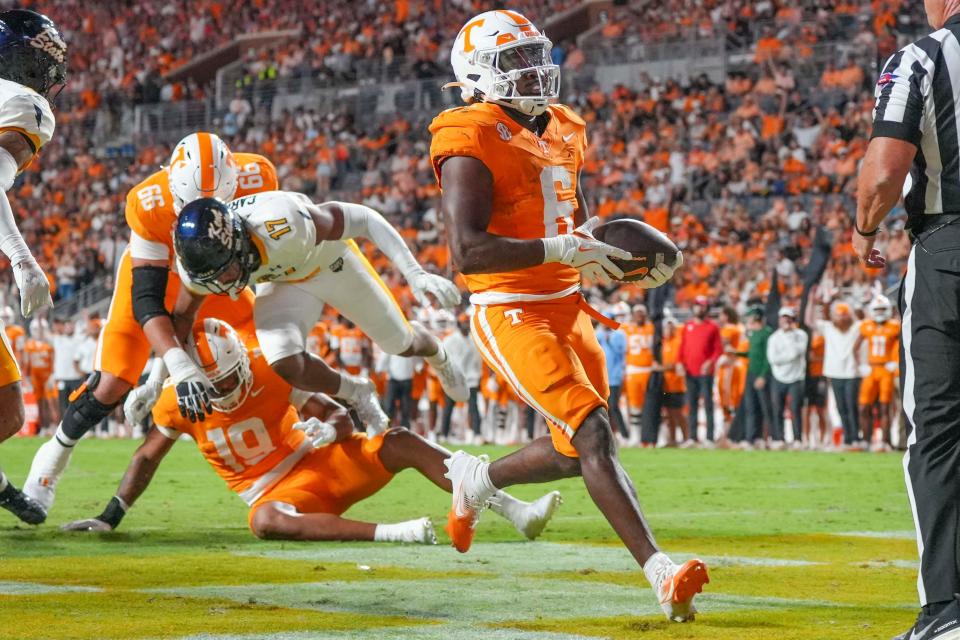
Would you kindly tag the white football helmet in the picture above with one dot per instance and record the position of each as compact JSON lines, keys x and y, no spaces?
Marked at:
{"x":880,"y":309}
{"x":217,"y":349}
{"x":501,"y":57}
{"x":201,"y":166}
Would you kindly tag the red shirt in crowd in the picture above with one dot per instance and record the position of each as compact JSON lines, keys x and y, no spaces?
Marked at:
{"x":700,"y":343}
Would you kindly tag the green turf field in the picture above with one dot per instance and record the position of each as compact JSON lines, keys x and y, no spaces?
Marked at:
{"x":800,"y":545}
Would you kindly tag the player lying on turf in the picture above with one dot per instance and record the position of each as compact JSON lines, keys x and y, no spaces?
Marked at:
{"x":520,"y":232}
{"x":299,"y":255}
{"x":291,"y":455}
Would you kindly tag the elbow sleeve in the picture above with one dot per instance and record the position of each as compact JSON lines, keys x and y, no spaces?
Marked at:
{"x":149,"y":291}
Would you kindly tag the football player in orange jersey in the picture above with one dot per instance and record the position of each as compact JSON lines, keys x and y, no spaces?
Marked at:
{"x":38,"y":358}
{"x":817,"y":390}
{"x":508,"y":165}
{"x":674,"y":384}
{"x":139,"y":320}
{"x":881,"y":334}
{"x":731,"y":369}
{"x":291,"y":455}
{"x":639,"y":365}
{"x":351,"y":348}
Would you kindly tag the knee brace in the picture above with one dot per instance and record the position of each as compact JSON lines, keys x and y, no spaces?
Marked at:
{"x":84,"y":411}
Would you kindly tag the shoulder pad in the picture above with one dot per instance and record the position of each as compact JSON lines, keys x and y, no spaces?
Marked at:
{"x":565,"y":113}
{"x":29,"y":114}
{"x":474,"y":115}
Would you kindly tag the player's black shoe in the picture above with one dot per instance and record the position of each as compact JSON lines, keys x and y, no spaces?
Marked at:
{"x":943,"y":626}
{"x":25,"y":508}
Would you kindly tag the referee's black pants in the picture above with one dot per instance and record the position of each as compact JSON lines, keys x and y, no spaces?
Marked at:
{"x":930,"y":383}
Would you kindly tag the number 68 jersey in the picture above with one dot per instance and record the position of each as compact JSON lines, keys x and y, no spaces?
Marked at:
{"x":252,"y":447}
{"x":152,"y":218}
{"x":534,"y":183}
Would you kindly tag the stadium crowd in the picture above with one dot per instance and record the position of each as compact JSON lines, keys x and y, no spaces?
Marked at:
{"x":740,"y":172}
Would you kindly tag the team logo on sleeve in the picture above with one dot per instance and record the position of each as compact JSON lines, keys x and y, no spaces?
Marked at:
{"x":886,"y":78}
{"x":504,"y":132}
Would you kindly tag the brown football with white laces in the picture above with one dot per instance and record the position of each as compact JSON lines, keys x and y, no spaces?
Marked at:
{"x":648,"y":245}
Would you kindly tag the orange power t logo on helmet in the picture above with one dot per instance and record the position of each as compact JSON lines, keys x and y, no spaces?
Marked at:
{"x":467,"y":45}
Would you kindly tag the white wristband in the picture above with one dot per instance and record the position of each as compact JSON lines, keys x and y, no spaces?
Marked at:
{"x":179,"y":364}
{"x":348,"y":388}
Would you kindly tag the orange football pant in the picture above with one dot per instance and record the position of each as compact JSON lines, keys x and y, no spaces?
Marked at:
{"x":331,"y":479}
{"x":549,"y":354}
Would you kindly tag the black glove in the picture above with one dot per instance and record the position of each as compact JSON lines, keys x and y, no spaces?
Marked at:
{"x":193,"y":401}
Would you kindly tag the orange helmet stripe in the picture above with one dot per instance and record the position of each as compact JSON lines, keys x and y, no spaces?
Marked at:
{"x":207,"y":184}
{"x":203,"y":345}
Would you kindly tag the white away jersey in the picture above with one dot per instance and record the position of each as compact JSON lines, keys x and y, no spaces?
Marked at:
{"x":25,"y":111}
{"x":282,"y":229}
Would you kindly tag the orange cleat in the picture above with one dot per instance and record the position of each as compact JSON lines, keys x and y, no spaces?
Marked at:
{"x":676,"y":590}
{"x":468,"y":503}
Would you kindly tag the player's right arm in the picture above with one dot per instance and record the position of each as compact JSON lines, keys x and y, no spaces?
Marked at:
{"x":146,"y":459}
{"x":150,"y":262}
{"x":16,"y":151}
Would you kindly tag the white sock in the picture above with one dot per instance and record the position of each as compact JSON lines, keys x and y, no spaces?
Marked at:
{"x":653,"y":564}
{"x":52,"y":457}
{"x":3,"y":481}
{"x":482,"y":479}
{"x":408,"y":531}
{"x":439,"y":358}
{"x":508,"y":507}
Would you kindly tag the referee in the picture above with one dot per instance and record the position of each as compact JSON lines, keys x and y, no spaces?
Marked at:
{"x":916,"y":125}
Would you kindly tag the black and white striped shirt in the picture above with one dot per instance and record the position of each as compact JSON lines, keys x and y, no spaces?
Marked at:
{"x":918,"y":99}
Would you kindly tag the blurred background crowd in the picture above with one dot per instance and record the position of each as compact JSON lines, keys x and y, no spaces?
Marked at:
{"x":735,"y":126}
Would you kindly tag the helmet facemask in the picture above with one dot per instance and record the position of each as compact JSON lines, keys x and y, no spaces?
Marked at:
{"x":522,"y":75}
{"x":229,"y":389}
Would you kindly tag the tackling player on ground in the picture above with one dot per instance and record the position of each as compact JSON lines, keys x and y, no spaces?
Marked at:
{"x":291,"y":455}
{"x":509,"y":167}
{"x":139,"y":320}
{"x":32,"y":64}
{"x":301,"y":257}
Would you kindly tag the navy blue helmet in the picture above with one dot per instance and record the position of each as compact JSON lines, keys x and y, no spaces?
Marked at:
{"x":32,"y":51}
{"x":214,"y":248}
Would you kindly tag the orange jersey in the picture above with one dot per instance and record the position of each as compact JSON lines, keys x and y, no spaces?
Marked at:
{"x":18,"y":340}
{"x":673,"y":382}
{"x":534,"y":183}
{"x":351,"y":343}
{"x":882,"y":345}
{"x":639,"y":347}
{"x":731,"y":335}
{"x":149,"y":209}
{"x":252,"y":447}
{"x":318,"y":342}
{"x":38,"y":358}
{"x":815,"y":356}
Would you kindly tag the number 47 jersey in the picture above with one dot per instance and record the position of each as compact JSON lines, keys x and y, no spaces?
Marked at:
{"x":534,"y":184}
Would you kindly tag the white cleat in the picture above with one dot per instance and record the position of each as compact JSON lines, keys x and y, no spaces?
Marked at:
{"x":420,"y":532}
{"x":48,"y":466}
{"x":533,"y":519}
{"x":452,"y":380}
{"x":676,"y":585}
{"x":469,"y":500}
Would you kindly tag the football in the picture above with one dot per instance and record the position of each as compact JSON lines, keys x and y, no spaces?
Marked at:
{"x":648,"y":245}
